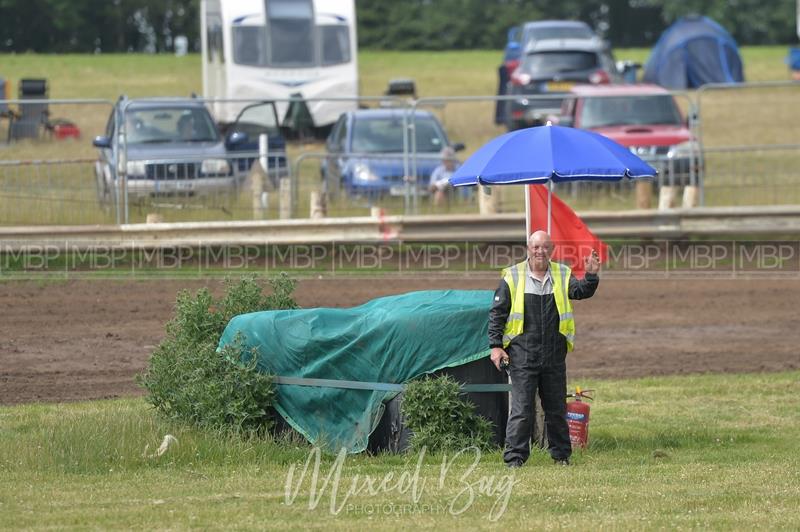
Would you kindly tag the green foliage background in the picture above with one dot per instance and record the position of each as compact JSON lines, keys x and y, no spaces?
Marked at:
{"x":58,"y":26}
{"x":440,"y":419}
{"x":188,"y":380}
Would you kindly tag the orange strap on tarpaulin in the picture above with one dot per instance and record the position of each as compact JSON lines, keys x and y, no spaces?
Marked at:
{"x":572,"y":238}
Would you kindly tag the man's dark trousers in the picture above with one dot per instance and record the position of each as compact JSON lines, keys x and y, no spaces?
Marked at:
{"x":551,"y":382}
{"x":538,"y":361}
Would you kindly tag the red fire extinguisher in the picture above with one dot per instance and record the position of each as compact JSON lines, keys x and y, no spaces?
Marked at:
{"x":578,"y":418}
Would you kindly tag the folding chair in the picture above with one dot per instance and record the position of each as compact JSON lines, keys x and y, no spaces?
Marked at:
{"x":31,"y":118}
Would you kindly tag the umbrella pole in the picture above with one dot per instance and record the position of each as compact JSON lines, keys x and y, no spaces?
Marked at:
{"x":549,"y":204}
{"x":527,"y":211}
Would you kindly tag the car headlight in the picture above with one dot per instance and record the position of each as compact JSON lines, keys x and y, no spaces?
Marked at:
{"x":685,"y":150}
{"x":641,"y":151}
{"x":215,"y":166}
{"x":135,"y":168}
{"x":362,"y":172}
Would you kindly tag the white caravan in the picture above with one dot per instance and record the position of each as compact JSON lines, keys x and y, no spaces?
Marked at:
{"x":277,"y":49}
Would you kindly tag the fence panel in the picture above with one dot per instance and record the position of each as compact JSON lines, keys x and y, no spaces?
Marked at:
{"x":47,"y":170}
{"x":51,"y":192}
{"x":750,"y":137}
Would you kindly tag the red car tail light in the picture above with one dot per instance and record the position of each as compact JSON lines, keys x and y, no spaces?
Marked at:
{"x":511,"y":66}
{"x":520,"y":79}
{"x":599,"y":77}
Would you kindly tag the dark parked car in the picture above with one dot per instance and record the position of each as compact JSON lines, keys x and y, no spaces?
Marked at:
{"x":171,"y":147}
{"x":548,"y":70}
{"x":520,"y":37}
{"x":365,"y":151}
{"x":253,"y":121}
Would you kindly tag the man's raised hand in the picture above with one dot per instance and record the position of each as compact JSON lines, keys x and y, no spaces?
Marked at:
{"x":592,"y":262}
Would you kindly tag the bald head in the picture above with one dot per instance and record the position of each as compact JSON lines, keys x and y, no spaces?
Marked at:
{"x":540,"y":247}
{"x":541,"y":237}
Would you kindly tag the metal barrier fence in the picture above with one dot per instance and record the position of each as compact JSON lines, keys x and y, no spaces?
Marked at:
{"x":751,"y":140}
{"x":748,"y":153}
{"x":47,"y":162}
{"x":50,"y":192}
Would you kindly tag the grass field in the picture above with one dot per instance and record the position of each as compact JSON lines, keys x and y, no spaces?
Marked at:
{"x":756,"y":116}
{"x":106,"y":76}
{"x":706,"y":451}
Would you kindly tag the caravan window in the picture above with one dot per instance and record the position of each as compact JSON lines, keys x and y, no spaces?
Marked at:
{"x":290,"y":32}
{"x":248,"y":45}
{"x":335,"y":45}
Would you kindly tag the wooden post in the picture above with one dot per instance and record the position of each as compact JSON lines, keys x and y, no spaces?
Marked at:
{"x":487,"y":201}
{"x":691,"y":197}
{"x":285,"y":198}
{"x":257,"y":189}
{"x":318,"y":207}
{"x":666,"y":197}
{"x":644,"y":194}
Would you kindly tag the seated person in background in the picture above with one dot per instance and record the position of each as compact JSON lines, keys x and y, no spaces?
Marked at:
{"x":439,"y":184}
{"x":186,"y":127}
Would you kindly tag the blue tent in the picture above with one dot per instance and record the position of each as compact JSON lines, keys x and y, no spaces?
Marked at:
{"x":694,"y":51}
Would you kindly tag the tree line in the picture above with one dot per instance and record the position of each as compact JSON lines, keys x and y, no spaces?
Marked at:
{"x":81,"y":26}
{"x":58,"y":26}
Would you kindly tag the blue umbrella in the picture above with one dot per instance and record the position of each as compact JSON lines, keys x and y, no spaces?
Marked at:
{"x":540,"y":154}
{"x":547,"y":154}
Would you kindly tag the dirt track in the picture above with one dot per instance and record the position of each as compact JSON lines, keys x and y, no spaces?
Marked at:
{"x":86,"y":339}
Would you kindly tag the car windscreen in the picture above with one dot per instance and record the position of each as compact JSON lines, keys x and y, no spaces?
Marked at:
{"x":540,"y":34}
{"x":169,"y":124}
{"x":385,"y":135}
{"x":630,"y":110}
{"x":543,"y":64}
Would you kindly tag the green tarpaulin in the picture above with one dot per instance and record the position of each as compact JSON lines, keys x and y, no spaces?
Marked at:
{"x":387,"y":340}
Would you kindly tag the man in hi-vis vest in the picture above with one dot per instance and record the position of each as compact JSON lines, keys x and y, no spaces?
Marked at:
{"x":531,"y":329}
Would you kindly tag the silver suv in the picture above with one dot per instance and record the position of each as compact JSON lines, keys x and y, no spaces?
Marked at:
{"x":164,"y":147}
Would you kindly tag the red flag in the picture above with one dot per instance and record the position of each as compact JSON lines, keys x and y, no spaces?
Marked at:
{"x":573,"y":240}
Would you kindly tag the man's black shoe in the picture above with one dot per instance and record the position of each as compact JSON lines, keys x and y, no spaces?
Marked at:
{"x":514,"y":464}
{"x":563,"y":461}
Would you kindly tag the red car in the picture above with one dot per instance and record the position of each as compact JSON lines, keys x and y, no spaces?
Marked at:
{"x":644,"y":118}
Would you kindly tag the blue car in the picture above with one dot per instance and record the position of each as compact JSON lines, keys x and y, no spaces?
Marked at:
{"x":365,"y":152}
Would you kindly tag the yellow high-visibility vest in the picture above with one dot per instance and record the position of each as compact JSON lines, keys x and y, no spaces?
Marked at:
{"x":515,"y":279}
